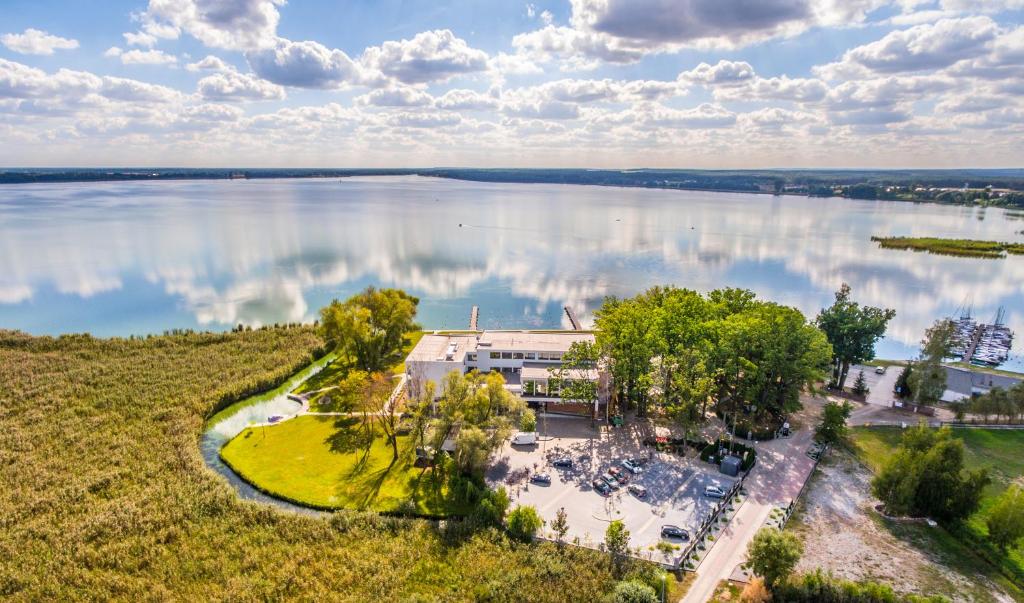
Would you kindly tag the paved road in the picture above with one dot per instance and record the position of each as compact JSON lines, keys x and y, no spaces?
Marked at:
{"x":782,"y":468}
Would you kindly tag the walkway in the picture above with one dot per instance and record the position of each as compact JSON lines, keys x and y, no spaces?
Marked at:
{"x":781,"y":470}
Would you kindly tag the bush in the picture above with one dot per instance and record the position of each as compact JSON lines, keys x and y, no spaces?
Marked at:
{"x":528,"y":421}
{"x":632,"y":591}
{"x":819,"y":586}
{"x":524,"y":523}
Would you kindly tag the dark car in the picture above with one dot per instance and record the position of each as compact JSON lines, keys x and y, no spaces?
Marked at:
{"x":563,"y":461}
{"x":637,"y":490}
{"x":601,"y":487}
{"x":674,"y":532}
{"x":541,"y":478}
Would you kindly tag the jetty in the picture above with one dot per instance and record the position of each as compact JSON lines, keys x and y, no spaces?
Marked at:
{"x":474,"y":316}
{"x":572,"y":319}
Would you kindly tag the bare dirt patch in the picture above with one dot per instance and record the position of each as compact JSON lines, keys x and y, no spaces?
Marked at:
{"x":844,"y":535}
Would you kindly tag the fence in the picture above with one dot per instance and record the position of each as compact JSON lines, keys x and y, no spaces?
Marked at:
{"x":697,"y":543}
{"x":792,"y":504}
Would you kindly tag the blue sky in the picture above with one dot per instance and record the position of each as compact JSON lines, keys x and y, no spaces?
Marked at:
{"x":584,"y":83}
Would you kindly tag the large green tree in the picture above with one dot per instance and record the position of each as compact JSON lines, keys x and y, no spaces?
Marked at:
{"x":852,"y":330}
{"x":833,"y":422}
{"x":370,"y":326}
{"x":773,"y":555}
{"x":925,"y":477}
{"x":616,"y":542}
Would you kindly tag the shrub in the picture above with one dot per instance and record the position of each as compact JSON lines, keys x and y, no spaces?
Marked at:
{"x":528,"y":421}
{"x":524,"y":523}
{"x":633,"y":591}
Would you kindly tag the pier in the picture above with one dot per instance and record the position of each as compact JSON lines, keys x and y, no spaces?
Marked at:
{"x":572,"y":319}
{"x":474,"y":316}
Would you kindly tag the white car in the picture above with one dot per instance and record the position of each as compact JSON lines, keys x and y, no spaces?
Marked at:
{"x":525,"y":438}
{"x":714,"y":492}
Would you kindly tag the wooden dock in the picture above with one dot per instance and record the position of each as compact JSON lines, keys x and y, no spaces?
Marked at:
{"x":474,"y":316}
{"x":572,"y":319}
{"x":978,"y":331}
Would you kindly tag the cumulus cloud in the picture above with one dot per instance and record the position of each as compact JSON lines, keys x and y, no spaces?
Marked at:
{"x":430,"y":56}
{"x":623,"y":31}
{"x":723,"y":72}
{"x":35,"y":41}
{"x":233,"y":25}
{"x":465,"y":100}
{"x":396,"y":97}
{"x":141,"y":57}
{"x":922,"y":47}
{"x":305,"y":65}
{"x":229,"y":85}
{"x":208,"y":63}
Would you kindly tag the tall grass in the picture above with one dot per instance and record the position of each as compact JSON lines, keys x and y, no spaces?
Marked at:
{"x":956,"y":247}
{"x":104,"y":495}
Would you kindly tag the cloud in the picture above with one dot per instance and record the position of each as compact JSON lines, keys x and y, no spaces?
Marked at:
{"x":141,"y":57}
{"x":922,"y":47}
{"x":723,"y":72}
{"x":424,"y":120}
{"x":623,"y":31}
{"x":305,"y":65}
{"x":35,"y":41}
{"x":465,"y":100}
{"x":229,"y":85}
{"x":800,"y":90}
{"x":228,"y":24}
{"x":430,"y":56}
{"x":396,"y":97}
{"x":209,"y":63}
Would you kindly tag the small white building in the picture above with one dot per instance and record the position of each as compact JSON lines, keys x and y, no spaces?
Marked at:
{"x":524,"y":358}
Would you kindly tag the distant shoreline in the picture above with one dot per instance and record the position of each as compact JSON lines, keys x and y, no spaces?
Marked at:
{"x":971,"y":187}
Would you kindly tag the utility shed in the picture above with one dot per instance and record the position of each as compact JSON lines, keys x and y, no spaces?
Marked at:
{"x":730,"y":465}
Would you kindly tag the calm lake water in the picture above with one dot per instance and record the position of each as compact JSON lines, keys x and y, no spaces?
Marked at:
{"x":123,"y":258}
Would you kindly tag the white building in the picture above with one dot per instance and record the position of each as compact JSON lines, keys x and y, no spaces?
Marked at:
{"x":524,"y":358}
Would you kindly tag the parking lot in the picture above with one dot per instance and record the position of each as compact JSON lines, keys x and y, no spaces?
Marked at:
{"x":675,"y":486}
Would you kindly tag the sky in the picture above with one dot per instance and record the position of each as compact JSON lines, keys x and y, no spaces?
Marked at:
{"x":476,"y":83}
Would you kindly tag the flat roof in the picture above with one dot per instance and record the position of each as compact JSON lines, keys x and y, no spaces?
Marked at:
{"x":533,"y":341}
{"x":434,"y":348}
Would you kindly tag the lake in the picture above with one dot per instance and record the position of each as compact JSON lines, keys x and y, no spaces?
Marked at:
{"x":124,"y":258}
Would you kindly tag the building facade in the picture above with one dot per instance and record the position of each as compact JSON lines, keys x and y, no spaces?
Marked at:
{"x":524,"y":358}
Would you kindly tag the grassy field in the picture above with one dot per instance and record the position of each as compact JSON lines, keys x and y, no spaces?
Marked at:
{"x":997,"y":450}
{"x":104,"y":494}
{"x":957,"y":247}
{"x":323,"y":462}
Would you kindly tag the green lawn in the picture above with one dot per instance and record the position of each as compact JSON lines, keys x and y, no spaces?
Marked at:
{"x":1000,"y":451}
{"x":338,"y":369}
{"x":324,"y":462}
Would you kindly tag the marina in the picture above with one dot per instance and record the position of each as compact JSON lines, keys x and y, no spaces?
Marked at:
{"x":982,"y":344}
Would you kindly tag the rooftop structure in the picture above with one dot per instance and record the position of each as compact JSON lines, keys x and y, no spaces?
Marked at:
{"x":524,"y":358}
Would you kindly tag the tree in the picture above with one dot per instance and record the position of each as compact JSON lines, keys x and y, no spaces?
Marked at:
{"x":561,"y":524}
{"x":852,"y":330}
{"x":634,"y":591}
{"x":377,"y":400}
{"x":581,"y":357}
{"x":928,"y":380}
{"x":925,"y":477}
{"x":528,"y":421}
{"x":472,"y":449}
{"x":773,"y":555}
{"x":369,"y":327}
{"x":833,"y":422}
{"x":616,"y":542}
{"x":860,"y":385}
{"x":1006,"y":519}
{"x":902,"y":388}
{"x":524,"y":523}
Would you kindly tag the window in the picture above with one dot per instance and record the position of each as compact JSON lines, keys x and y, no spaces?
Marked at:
{"x":506,"y":355}
{"x":495,"y":355}
{"x":517,"y":355}
{"x":471,"y":357}
{"x":531,"y":356}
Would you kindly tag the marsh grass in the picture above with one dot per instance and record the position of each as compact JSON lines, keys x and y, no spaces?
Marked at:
{"x":104,"y":494}
{"x":955,"y":247}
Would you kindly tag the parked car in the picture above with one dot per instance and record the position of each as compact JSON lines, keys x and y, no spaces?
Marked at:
{"x":880,"y":370}
{"x":639,"y":462}
{"x":611,"y":481}
{"x":637,"y":490}
{"x":525,"y":438}
{"x":670,"y":531}
{"x":714,"y":491}
{"x":631,"y":466}
{"x":541,"y":478}
{"x":601,"y":486}
{"x":562,"y":461}
{"x":620,"y":476}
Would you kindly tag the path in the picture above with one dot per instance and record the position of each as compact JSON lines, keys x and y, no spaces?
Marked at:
{"x":781,"y":470}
